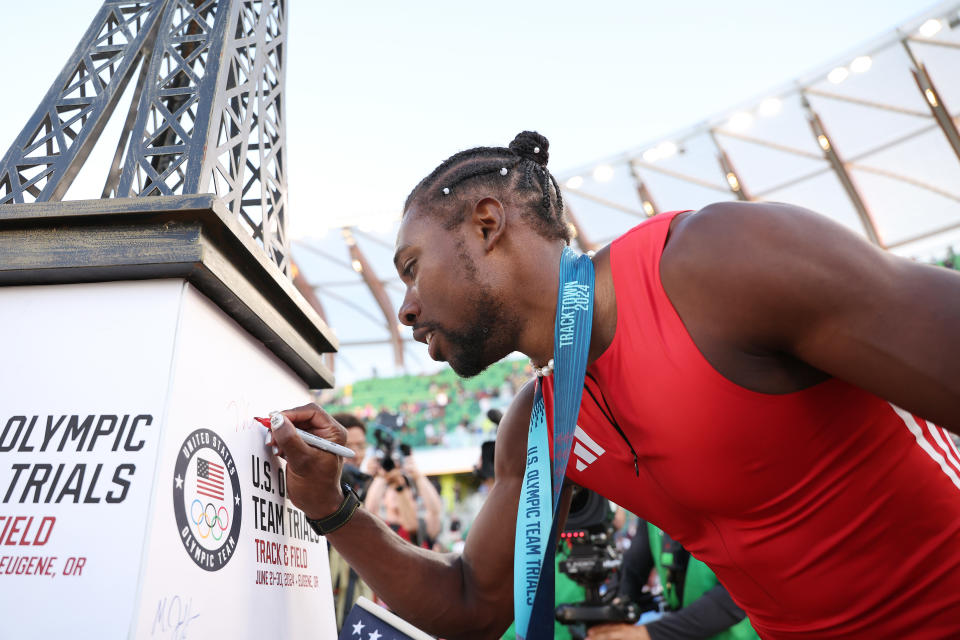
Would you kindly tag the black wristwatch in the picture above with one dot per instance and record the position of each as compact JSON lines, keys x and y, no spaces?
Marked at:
{"x":341,"y":516}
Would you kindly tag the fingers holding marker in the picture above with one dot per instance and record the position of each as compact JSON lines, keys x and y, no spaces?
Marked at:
{"x":287,"y":440}
{"x":312,"y":477}
{"x":311,"y":418}
{"x":270,"y":443}
{"x":294,"y":441}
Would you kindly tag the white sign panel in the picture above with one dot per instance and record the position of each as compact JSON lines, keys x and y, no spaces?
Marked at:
{"x":228,"y":555}
{"x":138,"y":497}
{"x":82,"y":392}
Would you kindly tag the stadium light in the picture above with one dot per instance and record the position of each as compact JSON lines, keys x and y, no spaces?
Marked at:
{"x":575,"y":182}
{"x":348,"y":236}
{"x":931,"y":97}
{"x":357,"y":266}
{"x":770,"y":107}
{"x":740,"y":121}
{"x":930,"y":28}
{"x":666,"y":149}
{"x":824,"y":142}
{"x":838,"y":75}
{"x":648,"y":208}
{"x":603,"y":173}
{"x":861,"y":64}
{"x":663,"y":150}
{"x":733,"y":182}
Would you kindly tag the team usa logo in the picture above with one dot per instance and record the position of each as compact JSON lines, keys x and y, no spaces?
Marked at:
{"x":206,"y":499}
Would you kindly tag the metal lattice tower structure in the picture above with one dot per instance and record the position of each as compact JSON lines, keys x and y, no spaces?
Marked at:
{"x":206,"y":117}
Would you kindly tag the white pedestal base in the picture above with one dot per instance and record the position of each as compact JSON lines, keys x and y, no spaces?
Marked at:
{"x":119,"y":402}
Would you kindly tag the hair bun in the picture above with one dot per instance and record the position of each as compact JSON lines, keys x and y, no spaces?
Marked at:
{"x":530,"y":145}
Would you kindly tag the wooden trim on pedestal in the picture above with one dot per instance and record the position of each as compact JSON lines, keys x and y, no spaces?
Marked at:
{"x":192,"y":237}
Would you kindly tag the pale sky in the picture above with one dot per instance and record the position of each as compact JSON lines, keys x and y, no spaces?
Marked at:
{"x":378,"y":93}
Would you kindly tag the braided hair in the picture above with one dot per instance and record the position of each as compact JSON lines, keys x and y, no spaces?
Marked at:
{"x":518,"y":171}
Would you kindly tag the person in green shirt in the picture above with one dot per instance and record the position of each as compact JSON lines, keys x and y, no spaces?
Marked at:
{"x":698,"y":606}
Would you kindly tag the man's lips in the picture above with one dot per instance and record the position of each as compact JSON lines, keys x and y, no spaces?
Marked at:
{"x":428,"y":337}
{"x":423,"y":334}
{"x":432,"y":346}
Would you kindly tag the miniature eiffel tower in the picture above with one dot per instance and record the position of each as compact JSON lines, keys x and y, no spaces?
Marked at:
{"x":206,"y":115}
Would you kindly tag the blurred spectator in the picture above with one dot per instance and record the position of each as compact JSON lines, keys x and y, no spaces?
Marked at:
{"x":468,"y":507}
{"x":356,"y":436}
{"x":428,"y":407}
{"x":393,"y":491}
{"x":429,"y":497}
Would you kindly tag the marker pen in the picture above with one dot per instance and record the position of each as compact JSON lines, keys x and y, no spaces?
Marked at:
{"x":276,"y":420}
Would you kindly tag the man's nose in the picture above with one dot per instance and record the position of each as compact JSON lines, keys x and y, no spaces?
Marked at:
{"x":409,"y":310}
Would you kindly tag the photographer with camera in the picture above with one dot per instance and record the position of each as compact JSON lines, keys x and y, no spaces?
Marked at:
{"x":395,"y":476}
{"x":698,"y":606}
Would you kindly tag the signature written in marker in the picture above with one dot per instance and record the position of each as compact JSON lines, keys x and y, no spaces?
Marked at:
{"x":173,"y":618}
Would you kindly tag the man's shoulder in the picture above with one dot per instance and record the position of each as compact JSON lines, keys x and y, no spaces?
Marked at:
{"x":738,"y":230}
{"x":726,"y":242}
{"x":710,"y":227}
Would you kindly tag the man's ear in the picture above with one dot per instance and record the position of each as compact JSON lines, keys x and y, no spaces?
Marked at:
{"x":489,"y":221}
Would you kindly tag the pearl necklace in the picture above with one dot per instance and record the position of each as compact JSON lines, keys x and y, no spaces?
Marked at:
{"x":543,"y":371}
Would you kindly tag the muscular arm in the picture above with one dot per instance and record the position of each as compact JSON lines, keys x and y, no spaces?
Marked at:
{"x":760,"y":284}
{"x":466,"y":596}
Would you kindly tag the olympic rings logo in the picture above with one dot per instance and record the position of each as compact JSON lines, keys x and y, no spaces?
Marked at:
{"x":209,"y":520}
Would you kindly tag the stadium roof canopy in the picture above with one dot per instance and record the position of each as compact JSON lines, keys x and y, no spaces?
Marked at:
{"x":870,"y":141}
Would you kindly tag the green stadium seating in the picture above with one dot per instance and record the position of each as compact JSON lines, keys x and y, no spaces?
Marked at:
{"x":392,"y":393}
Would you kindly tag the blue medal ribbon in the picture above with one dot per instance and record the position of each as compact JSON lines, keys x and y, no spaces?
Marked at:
{"x":534,"y":545}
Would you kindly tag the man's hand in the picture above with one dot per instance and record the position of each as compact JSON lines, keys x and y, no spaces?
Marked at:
{"x":618,"y":632}
{"x":313,"y":476}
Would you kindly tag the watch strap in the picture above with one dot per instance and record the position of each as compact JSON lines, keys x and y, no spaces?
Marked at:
{"x":341,"y":516}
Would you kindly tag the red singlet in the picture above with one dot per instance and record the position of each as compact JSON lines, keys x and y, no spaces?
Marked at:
{"x":827,"y":512}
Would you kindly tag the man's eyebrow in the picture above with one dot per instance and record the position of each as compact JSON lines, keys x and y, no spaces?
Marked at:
{"x":396,"y":255}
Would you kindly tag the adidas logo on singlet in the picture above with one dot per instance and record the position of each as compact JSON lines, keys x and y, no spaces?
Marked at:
{"x":585,"y":450}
